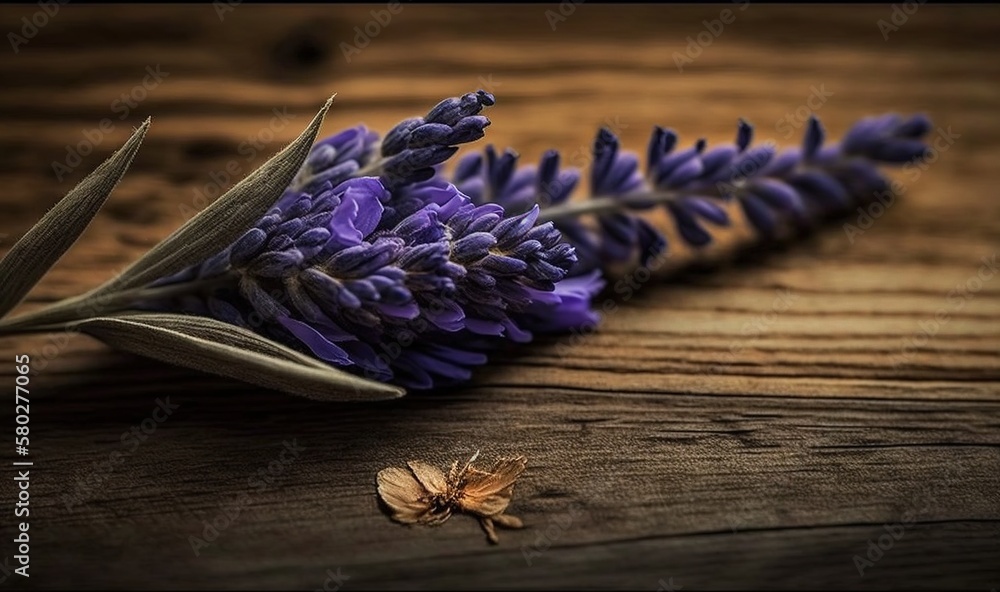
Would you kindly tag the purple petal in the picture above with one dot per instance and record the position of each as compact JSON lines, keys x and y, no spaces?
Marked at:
{"x":446,"y":315}
{"x":315,"y":341}
{"x":708,"y":209}
{"x":778,"y":194}
{"x":744,"y":135}
{"x":684,"y":173}
{"x":687,"y":225}
{"x":670,"y":162}
{"x":783,"y":163}
{"x":717,"y":158}
{"x":483,"y":327}
{"x":408,"y":311}
{"x":914,"y":127}
{"x":813,"y":138}
{"x":516,"y":334}
{"x":247,"y":246}
{"x":368,"y":193}
{"x":759,"y":214}
{"x":366,"y":358}
{"x":822,"y":187}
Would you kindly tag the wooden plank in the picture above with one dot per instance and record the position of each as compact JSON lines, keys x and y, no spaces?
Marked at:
{"x":704,"y":437}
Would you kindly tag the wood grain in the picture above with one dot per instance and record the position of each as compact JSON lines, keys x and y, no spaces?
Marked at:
{"x":701,"y":439}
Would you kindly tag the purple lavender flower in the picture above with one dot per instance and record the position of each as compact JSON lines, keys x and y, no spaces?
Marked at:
{"x":337,"y":158}
{"x":378,"y":261}
{"x":324,"y":271}
{"x":794,"y":189}
{"x":492,"y":178}
{"x":407,"y":154}
{"x":373,"y":260}
{"x":566,"y":308}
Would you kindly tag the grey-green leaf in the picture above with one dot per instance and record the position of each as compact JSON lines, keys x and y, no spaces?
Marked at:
{"x":227,"y":350}
{"x":224,"y":221}
{"x":39,"y":249}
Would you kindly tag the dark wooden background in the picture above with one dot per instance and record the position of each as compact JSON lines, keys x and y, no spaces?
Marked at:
{"x":647,"y":468}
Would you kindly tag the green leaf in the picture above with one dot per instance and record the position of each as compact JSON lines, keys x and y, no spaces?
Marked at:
{"x":205,"y":344}
{"x":224,"y":221}
{"x":39,"y":249}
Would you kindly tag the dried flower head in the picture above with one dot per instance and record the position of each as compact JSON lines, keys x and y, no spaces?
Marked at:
{"x":425,"y":495}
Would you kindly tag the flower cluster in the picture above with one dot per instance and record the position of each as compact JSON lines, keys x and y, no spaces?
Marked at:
{"x":407,"y":155}
{"x":369,"y":263}
{"x":377,"y":260}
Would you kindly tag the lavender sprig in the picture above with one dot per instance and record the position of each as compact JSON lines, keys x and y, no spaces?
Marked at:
{"x":374,"y":260}
{"x":794,"y":189}
{"x":412,"y":276}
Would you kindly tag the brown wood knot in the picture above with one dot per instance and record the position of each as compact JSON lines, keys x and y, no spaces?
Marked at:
{"x":207,"y":148}
{"x":305,"y":46}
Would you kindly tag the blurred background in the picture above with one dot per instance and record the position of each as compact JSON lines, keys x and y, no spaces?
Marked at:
{"x":558,"y":71}
{"x":768,"y":467}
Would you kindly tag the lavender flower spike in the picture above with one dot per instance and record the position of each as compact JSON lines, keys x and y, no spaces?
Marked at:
{"x":779,"y":192}
{"x":376,"y":261}
{"x":326,"y":273}
{"x":409,"y":152}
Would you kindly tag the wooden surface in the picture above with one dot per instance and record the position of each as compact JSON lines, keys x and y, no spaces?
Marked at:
{"x":673,"y":449}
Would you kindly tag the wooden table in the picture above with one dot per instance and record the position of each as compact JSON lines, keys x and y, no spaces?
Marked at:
{"x":657,"y":458}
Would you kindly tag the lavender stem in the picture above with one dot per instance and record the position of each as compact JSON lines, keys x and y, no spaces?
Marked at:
{"x":603,"y":205}
{"x":82,"y":307}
